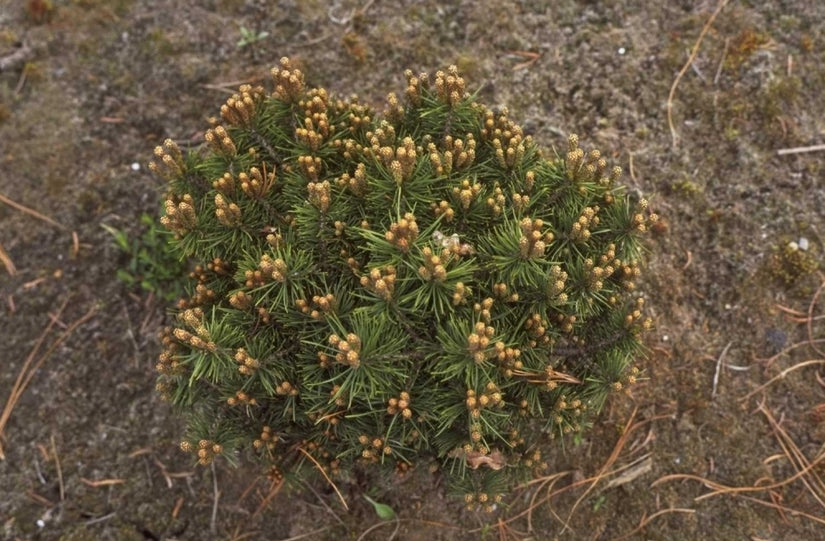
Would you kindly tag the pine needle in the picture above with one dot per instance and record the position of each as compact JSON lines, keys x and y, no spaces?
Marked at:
{"x":30,"y":365}
{"x":646,"y":520}
{"x":781,"y":375}
{"x":7,"y":262}
{"x":320,"y":469}
{"x":18,"y":387}
{"x":29,"y":211}
{"x":684,"y":69}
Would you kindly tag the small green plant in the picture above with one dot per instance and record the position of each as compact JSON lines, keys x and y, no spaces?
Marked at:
{"x":384,"y":511}
{"x":790,"y":262}
{"x":422,"y":286}
{"x":250,"y":37}
{"x":153,"y":264}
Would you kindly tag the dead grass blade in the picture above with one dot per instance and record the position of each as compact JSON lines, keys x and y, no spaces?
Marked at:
{"x":684,"y":69}
{"x":30,"y":212}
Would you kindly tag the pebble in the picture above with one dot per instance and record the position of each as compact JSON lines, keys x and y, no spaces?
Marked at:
{"x":776,"y":340}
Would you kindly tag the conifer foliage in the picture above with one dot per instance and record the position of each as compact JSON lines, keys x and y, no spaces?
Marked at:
{"x":418,"y":286}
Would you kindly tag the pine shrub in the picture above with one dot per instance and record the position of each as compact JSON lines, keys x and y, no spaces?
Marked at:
{"x":420,"y":286}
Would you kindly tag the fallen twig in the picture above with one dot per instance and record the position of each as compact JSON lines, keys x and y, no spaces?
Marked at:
{"x":102,"y":482}
{"x":19,"y":56}
{"x":641,"y":466}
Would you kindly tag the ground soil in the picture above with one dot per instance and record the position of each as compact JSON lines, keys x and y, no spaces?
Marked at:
{"x":89,"y":87}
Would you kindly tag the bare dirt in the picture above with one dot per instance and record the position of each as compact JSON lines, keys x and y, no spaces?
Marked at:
{"x":89,"y":87}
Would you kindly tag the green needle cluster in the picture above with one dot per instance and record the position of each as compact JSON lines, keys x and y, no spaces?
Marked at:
{"x":421,"y":285}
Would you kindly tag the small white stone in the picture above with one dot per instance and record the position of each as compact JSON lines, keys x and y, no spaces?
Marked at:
{"x":40,"y":523}
{"x":792,"y":246}
{"x":728,"y":306}
{"x":665,"y":338}
{"x":135,"y":166}
{"x":622,"y":50}
{"x":803,"y":243}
